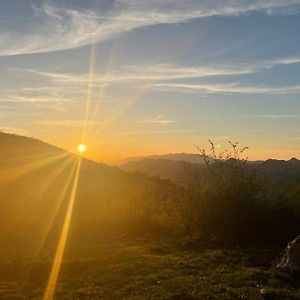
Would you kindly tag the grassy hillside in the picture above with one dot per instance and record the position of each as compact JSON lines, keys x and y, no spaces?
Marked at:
{"x":148,"y":269}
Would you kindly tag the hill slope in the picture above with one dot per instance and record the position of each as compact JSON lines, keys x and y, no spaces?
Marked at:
{"x":36,"y":180}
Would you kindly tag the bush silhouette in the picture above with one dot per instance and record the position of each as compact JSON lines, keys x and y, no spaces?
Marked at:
{"x":235,"y":202}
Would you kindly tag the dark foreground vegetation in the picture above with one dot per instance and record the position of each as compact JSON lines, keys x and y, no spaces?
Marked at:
{"x":152,"y":268}
{"x":218,"y":235}
{"x":230,"y":201}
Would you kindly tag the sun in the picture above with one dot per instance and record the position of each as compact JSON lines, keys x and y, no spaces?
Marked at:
{"x":81,"y":148}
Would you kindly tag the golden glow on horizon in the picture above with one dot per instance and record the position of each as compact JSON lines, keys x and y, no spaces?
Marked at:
{"x":81,"y":148}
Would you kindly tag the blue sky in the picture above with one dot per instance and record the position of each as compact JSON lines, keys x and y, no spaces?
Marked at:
{"x":152,"y":76}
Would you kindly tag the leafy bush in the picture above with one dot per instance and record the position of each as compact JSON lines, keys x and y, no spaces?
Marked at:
{"x":231,"y":201}
{"x":235,"y":202}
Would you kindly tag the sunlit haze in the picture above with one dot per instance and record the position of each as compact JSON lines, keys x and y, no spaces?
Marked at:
{"x":152,"y":77}
{"x":149,"y":149}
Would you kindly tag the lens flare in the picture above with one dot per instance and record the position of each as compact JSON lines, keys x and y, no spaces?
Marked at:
{"x":56,"y":266}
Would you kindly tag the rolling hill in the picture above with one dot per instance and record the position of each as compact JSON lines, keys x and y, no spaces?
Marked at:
{"x":36,"y":180}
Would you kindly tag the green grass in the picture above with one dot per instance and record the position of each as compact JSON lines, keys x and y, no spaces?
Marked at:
{"x":150,"y":269}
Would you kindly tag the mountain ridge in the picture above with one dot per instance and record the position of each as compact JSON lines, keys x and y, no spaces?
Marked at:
{"x":190,"y":157}
{"x":177,"y":169}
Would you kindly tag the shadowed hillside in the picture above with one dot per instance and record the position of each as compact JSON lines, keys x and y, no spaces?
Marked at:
{"x":35,"y":185}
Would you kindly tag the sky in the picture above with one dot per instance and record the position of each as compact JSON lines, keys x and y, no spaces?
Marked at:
{"x":140,"y":77}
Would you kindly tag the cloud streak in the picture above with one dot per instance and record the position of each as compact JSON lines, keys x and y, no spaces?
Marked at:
{"x":159,"y":120}
{"x":232,"y":88}
{"x":68,"y":123}
{"x":66,"y":87}
{"x":158,"y":72}
{"x":54,"y":28}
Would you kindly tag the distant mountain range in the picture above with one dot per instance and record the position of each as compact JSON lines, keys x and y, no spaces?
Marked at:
{"x":175,"y":170}
{"x":176,"y":166}
{"x":186,"y":157}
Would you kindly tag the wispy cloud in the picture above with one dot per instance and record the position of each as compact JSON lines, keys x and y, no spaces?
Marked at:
{"x":53,"y":90}
{"x":36,"y":99}
{"x":68,"y":123}
{"x":76,"y":80}
{"x":54,"y":28}
{"x":155,"y":72}
{"x":285,"y":61}
{"x":66,"y":87}
{"x":160,"y":72}
{"x":167,"y":132}
{"x":160,"y":120}
{"x":232,"y":88}
{"x":282,"y":116}
{"x":131,"y":73}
